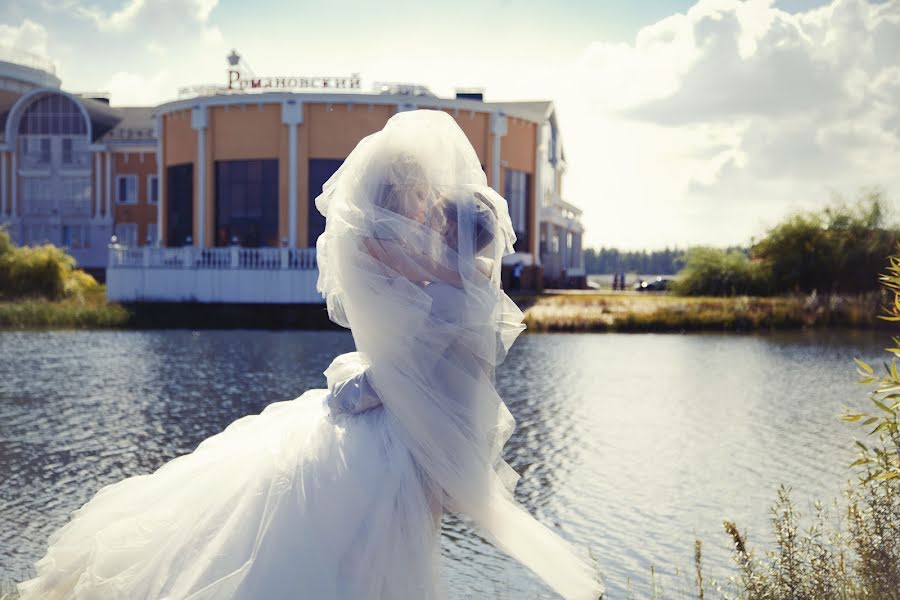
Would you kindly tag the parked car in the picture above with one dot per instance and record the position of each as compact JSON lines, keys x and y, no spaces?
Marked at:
{"x":657,"y":285}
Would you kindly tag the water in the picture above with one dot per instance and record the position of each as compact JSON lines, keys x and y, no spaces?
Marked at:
{"x":630,"y":444}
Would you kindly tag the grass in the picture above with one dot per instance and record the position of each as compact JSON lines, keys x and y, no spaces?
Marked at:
{"x":89,"y":310}
{"x":636,"y":312}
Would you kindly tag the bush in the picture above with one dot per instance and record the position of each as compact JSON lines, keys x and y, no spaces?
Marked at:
{"x":715,"y":272}
{"x":39,"y":272}
{"x":841,"y":249}
{"x":859,"y":559}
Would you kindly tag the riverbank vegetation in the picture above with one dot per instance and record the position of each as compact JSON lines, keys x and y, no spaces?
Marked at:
{"x":637,"y":312}
{"x":839,"y":250}
{"x":41,"y":288}
{"x":857,"y":555}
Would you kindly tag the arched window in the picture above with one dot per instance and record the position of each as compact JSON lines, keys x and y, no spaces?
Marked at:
{"x":53,"y":114}
{"x":54,"y":159}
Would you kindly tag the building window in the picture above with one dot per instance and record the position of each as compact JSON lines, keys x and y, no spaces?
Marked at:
{"x":516,"y":190}
{"x":126,"y":233}
{"x":153,"y":189}
{"x":152,"y":234}
{"x":75,"y":195}
{"x":247,"y":202}
{"x":126,"y":189}
{"x":53,"y":113}
{"x":37,"y":196}
{"x":320,"y":170}
{"x":35,"y":152}
{"x":75,"y":237}
{"x":67,"y":155}
{"x":40,"y":234}
{"x":179,"y":204}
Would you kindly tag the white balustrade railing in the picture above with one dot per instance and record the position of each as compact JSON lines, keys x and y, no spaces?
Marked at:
{"x":233,"y":257}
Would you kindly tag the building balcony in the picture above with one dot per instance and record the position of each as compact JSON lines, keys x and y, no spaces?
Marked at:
{"x":562,"y":214}
{"x":233,"y":275}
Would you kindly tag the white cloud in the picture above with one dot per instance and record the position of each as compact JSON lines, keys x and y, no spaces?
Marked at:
{"x":132,"y":89}
{"x":717,"y":122}
{"x":142,"y":16}
{"x":28,"y":37}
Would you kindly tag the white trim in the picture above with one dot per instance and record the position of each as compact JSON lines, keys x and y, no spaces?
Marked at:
{"x":157,"y":122}
{"x":15,"y":113}
{"x":129,"y":177}
{"x":498,"y":129}
{"x":98,"y":186}
{"x":538,"y":196}
{"x":3,"y":209}
{"x":14,"y":209}
{"x":199,"y":122}
{"x":345,"y":98}
{"x":108,"y":213}
{"x":291,"y":115}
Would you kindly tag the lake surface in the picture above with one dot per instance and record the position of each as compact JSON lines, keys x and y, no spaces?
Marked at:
{"x":631,"y":444}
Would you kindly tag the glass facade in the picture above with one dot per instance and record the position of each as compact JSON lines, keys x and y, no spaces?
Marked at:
{"x":517,"y":191}
{"x":180,"y":204}
{"x":320,"y":170}
{"x":247,"y":202}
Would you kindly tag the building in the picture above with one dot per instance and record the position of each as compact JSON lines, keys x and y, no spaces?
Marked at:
{"x":210,"y":197}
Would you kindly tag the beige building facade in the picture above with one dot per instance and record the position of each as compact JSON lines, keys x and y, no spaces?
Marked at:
{"x":243,"y":169}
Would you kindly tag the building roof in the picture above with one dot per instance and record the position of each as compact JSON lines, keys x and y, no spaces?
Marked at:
{"x":136,"y":125}
{"x":535,"y":110}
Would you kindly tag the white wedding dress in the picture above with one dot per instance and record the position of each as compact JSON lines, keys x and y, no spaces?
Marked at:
{"x":339,"y":493}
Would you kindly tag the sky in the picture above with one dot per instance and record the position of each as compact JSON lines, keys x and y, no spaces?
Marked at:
{"x":683,"y":123}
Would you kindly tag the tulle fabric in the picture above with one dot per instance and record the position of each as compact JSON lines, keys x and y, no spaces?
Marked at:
{"x":311,"y":499}
{"x":286,"y":504}
{"x":410,"y":261}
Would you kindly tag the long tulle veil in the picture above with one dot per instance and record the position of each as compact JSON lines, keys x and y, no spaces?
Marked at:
{"x":410,"y":262}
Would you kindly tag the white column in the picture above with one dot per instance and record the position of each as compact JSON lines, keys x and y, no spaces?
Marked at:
{"x":199,"y":122}
{"x":537,"y":200}
{"x":109,"y":186}
{"x":13,"y":198}
{"x":159,"y":181}
{"x":292,"y":115}
{"x":498,"y":130}
{"x":3,"y":209}
{"x":98,"y":187}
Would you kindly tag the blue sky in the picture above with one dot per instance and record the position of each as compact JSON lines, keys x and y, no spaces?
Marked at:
{"x":684,"y":122}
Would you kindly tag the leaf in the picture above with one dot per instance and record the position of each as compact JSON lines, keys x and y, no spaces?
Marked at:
{"x":864,"y":366}
{"x":868,"y":421}
{"x":861,"y":445}
{"x":884,"y":407}
{"x":852,"y":418}
{"x":888,"y":476}
{"x":882,"y":425}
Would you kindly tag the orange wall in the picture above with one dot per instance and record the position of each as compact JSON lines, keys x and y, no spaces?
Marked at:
{"x":518,"y":151}
{"x":179,"y":146}
{"x":245,"y":132}
{"x":517,"y":147}
{"x":335,"y":129}
{"x":328,"y":131}
{"x":142,"y":213}
{"x":476,"y":126}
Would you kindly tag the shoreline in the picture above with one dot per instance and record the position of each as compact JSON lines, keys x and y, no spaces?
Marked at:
{"x":556,"y":311}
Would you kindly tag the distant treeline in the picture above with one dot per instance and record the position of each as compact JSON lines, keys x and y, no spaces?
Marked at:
{"x":612,"y":260}
{"x":668,"y":261}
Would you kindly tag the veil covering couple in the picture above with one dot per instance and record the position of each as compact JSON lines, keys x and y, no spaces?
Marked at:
{"x":340,"y":492}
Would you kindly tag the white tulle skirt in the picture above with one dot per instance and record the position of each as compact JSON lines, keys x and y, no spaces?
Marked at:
{"x":289,"y":503}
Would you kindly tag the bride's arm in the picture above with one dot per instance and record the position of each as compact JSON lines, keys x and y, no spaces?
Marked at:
{"x":413,"y":265}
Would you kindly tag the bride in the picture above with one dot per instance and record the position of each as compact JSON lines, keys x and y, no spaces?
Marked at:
{"x":339,"y":493}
